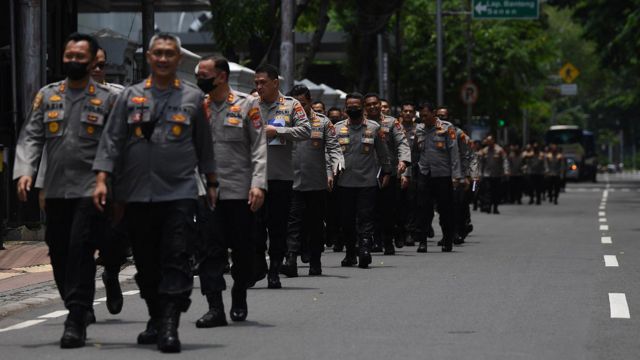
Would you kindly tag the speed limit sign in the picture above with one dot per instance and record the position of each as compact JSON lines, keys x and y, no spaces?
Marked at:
{"x":469,"y":93}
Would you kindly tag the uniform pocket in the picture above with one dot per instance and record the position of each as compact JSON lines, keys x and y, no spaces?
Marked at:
{"x":54,"y":124}
{"x":177,"y":125}
{"x":92,"y":124}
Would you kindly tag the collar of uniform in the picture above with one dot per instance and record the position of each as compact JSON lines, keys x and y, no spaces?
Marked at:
{"x":363,"y":123}
{"x":176,"y":83}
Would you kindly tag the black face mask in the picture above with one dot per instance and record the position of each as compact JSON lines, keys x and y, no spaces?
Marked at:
{"x":206,"y":85}
{"x":75,"y":70}
{"x":443,"y":118}
{"x":334,"y":120}
{"x":354,"y":113}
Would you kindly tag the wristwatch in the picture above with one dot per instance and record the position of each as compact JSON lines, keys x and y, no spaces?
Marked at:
{"x":213,"y":184}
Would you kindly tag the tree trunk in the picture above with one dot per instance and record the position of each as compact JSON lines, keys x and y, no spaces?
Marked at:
{"x":314,"y":45}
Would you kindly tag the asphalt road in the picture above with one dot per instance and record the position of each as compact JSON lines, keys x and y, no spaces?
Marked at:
{"x":531,"y":283}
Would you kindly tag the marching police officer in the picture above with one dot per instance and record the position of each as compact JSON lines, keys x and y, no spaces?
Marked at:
{"x":439,"y":173}
{"x":494,"y":166}
{"x":158,"y":134}
{"x":535,"y":162}
{"x":364,"y":150}
{"x":407,"y":205}
{"x":333,"y":235}
{"x":516,"y":179}
{"x":315,"y":163}
{"x":240,"y":149}
{"x":286,"y":122}
{"x":400,"y":154}
{"x":113,"y":251}
{"x":67,"y":118}
{"x":555,"y":165}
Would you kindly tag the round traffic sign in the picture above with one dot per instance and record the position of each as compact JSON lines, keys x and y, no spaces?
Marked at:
{"x":469,"y":93}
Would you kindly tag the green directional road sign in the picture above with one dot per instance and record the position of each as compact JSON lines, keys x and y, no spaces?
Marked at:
{"x":505,"y":9}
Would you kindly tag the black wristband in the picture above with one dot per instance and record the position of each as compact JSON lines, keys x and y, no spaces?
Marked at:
{"x":213,"y":184}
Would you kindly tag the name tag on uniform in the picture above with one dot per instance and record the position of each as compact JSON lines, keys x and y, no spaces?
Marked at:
{"x":440,"y":144}
{"x":368,"y":140}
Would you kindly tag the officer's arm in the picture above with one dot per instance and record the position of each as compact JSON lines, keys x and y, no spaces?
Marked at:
{"x":203,"y":142}
{"x":258,"y":138}
{"x":454,"y":153}
{"x":333,"y":152}
{"x":400,"y":139}
{"x":301,"y":130}
{"x":42,"y":170}
{"x":382,"y":152}
{"x":505,"y":163}
{"x":113,"y":136}
{"x":30,"y":142}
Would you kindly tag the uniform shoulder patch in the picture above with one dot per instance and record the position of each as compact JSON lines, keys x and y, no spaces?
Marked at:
{"x":332,"y":129}
{"x":254,"y":116}
{"x":452,"y":133}
{"x":37,"y":101}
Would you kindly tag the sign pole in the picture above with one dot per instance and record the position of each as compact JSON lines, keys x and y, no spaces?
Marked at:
{"x":468,"y":34}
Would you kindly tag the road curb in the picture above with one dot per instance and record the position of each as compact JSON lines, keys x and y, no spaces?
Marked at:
{"x":126,"y":276}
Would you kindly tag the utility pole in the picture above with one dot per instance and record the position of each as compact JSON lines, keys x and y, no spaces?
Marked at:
{"x":439,"y":51}
{"x":29,"y":39}
{"x":287,"y":50}
{"x":148,"y":28}
{"x":469,"y":63}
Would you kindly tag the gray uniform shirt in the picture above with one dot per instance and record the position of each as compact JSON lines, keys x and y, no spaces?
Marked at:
{"x":396,"y":141}
{"x":515,"y":163}
{"x":438,"y":151}
{"x":534,"y":163}
{"x":42,"y":170}
{"x":292,"y":124}
{"x":161,"y":168}
{"x":240,"y":145}
{"x":365,"y":153}
{"x":555,"y":164}
{"x":494,"y":162}
{"x":315,"y":159}
{"x":68,"y":124}
{"x":468,"y":157}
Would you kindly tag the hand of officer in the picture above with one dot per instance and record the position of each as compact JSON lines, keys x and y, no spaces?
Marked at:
{"x":212,"y":196}
{"x":385,"y":180}
{"x":402,"y":166}
{"x":330,"y":183}
{"x":404,"y":183}
{"x":100,"y":193}
{"x":456,"y":183}
{"x":256,"y":198}
{"x":271,"y":131}
{"x":24,"y":186}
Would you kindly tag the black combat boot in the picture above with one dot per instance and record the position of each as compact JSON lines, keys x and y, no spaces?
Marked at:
{"x":114,"y":293}
{"x":215,"y":316}
{"x":350,"y":258}
{"x":260,"y":270}
{"x":239,"y":309}
{"x":364,"y":254}
{"x":408,"y":240}
{"x":150,"y":334}
{"x":447,"y":245}
{"x":399,"y":238}
{"x":290,"y":266}
{"x":273,"y":280}
{"x":315,"y":267}
{"x":168,"y":341}
{"x":430,"y":232}
{"x":75,"y":329}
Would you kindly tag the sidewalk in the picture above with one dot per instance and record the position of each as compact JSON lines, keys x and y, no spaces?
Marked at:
{"x":23,"y":264}
{"x":26,"y":276}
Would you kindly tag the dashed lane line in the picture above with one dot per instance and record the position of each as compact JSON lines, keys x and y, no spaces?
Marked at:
{"x":602,"y":213}
{"x":602,"y":220}
{"x":610,"y":261}
{"x":604,"y":227}
{"x":606,"y":240}
{"x":618,"y":306}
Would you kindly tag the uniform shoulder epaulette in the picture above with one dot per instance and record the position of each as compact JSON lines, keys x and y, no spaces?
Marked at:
{"x":241,"y":94}
{"x":103,"y":86}
{"x":373,"y":122}
{"x":288,"y":98}
{"x":52,"y":85}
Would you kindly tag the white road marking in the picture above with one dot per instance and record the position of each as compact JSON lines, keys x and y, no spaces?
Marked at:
{"x":610,"y":261}
{"x":602,"y":220}
{"x":22,"y":325}
{"x":604,"y":227}
{"x":618,"y":306}
{"x":606,"y":239}
{"x":101,"y":299}
{"x":602,"y":213}
{"x":54,"y":314}
{"x":602,"y":207}
{"x":132,"y":292}
{"x":96,"y":303}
